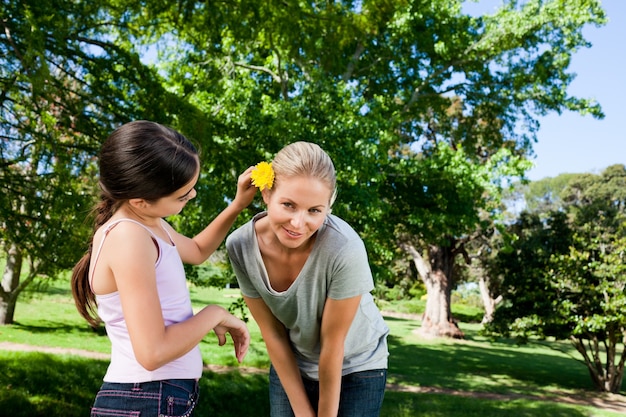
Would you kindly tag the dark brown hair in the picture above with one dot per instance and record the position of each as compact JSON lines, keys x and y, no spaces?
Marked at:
{"x":139,"y":159}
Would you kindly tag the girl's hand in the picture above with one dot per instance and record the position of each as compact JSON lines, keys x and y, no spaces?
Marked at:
{"x":238,"y":331}
{"x":245,"y":190}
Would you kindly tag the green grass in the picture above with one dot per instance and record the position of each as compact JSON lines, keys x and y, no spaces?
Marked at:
{"x":49,"y":318}
{"x":438,"y":405}
{"x":477,"y":364}
{"x":37,"y":384}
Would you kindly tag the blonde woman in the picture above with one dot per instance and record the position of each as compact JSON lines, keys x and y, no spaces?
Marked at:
{"x":305,"y":277}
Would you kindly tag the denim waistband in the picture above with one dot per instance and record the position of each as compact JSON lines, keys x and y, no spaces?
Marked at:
{"x":188,"y":384}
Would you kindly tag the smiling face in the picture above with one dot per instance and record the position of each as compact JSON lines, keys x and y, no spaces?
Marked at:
{"x":296,"y":209}
{"x":170,"y":204}
{"x":176,"y":201}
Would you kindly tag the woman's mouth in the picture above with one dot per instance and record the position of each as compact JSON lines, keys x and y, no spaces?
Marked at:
{"x":292,"y":233}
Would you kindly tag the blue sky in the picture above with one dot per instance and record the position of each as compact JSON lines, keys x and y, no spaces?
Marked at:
{"x":571,"y":143}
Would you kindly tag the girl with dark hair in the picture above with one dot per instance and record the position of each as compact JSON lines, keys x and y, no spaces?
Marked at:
{"x":132,"y":277}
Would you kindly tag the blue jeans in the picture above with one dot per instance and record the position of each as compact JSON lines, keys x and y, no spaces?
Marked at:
{"x":168,"y":398}
{"x":361,"y":394}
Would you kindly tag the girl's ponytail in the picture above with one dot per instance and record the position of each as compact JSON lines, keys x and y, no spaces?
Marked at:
{"x":84,"y":298}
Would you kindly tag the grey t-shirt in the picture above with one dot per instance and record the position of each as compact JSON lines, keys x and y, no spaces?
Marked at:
{"x":337,"y":268}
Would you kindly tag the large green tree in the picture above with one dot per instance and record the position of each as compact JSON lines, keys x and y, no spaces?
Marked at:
{"x":376,"y":83}
{"x":452,"y":202}
{"x":66,"y":83}
{"x":383,"y":85}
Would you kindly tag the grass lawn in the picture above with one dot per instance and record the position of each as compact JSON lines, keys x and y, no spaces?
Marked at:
{"x":472,"y":377}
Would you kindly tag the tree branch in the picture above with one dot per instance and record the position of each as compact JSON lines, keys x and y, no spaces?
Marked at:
{"x":353,"y":60}
{"x":423,"y":268}
{"x":266,"y":70}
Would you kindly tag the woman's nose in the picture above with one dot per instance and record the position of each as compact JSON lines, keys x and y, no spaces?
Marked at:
{"x":297,"y":219}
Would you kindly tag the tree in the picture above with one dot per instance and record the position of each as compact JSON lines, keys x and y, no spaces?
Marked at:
{"x":451,"y":201}
{"x":544,"y":195}
{"x":565,"y":275}
{"x":65,"y":85}
{"x":482,"y":123}
{"x":367,"y":80}
{"x":373,"y":81}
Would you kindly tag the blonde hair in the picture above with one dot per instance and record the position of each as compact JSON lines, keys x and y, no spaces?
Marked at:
{"x":306,"y":159}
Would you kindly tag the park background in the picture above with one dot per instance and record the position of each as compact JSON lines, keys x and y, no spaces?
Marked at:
{"x":432,"y":117}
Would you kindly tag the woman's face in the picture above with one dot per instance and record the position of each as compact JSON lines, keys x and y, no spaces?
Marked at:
{"x":296,"y":209}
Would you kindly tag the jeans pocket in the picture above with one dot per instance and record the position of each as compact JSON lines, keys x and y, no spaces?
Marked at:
{"x":178,"y":407}
{"x":179,"y":400}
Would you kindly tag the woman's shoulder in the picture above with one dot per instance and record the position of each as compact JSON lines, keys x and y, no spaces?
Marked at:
{"x":338,"y":240}
{"x":244,"y":233}
{"x":338,"y":228}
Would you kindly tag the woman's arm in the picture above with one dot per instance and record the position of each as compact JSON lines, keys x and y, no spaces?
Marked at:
{"x":129,"y":254}
{"x":336,"y":320}
{"x":282,"y":357}
{"x":197,"y":249}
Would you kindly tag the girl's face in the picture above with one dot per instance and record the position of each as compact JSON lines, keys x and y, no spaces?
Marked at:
{"x":296,"y":209}
{"x":174,"y":203}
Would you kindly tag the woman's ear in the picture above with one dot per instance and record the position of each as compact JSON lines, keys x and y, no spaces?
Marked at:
{"x":266,"y":194}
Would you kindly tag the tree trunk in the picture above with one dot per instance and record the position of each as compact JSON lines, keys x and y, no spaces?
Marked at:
{"x":489,"y":303}
{"x":10,"y":283}
{"x":608,"y":376}
{"x":437,"y":276}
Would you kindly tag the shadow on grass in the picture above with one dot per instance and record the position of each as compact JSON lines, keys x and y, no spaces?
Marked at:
{"x":48,"y":327}
{"x":38,"y":385}
{"x":233,"y":394}
{"x":401,"y":404}
{"x":498,"y":367}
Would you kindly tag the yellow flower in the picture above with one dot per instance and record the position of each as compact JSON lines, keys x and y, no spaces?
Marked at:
{"x":263,"y":176}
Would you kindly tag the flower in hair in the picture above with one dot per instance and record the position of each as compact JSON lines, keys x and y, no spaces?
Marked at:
{"x":263,"y":176}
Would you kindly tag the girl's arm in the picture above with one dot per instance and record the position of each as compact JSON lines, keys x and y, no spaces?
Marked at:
{"x":281,"y":355}
{"x":197,"y":249}
{"x":336,"y":320}
{"x":129,"y":255}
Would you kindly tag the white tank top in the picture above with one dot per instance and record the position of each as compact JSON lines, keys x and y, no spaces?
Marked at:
{"x":176,"y":307}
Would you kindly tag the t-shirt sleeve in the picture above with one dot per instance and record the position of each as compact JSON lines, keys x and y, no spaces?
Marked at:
{"x":351,"y":273}
{"x":235,"y":248}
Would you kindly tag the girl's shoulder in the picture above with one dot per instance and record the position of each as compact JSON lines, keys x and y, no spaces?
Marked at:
{"x":119,"y":247}
{"x":124,"y":232}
